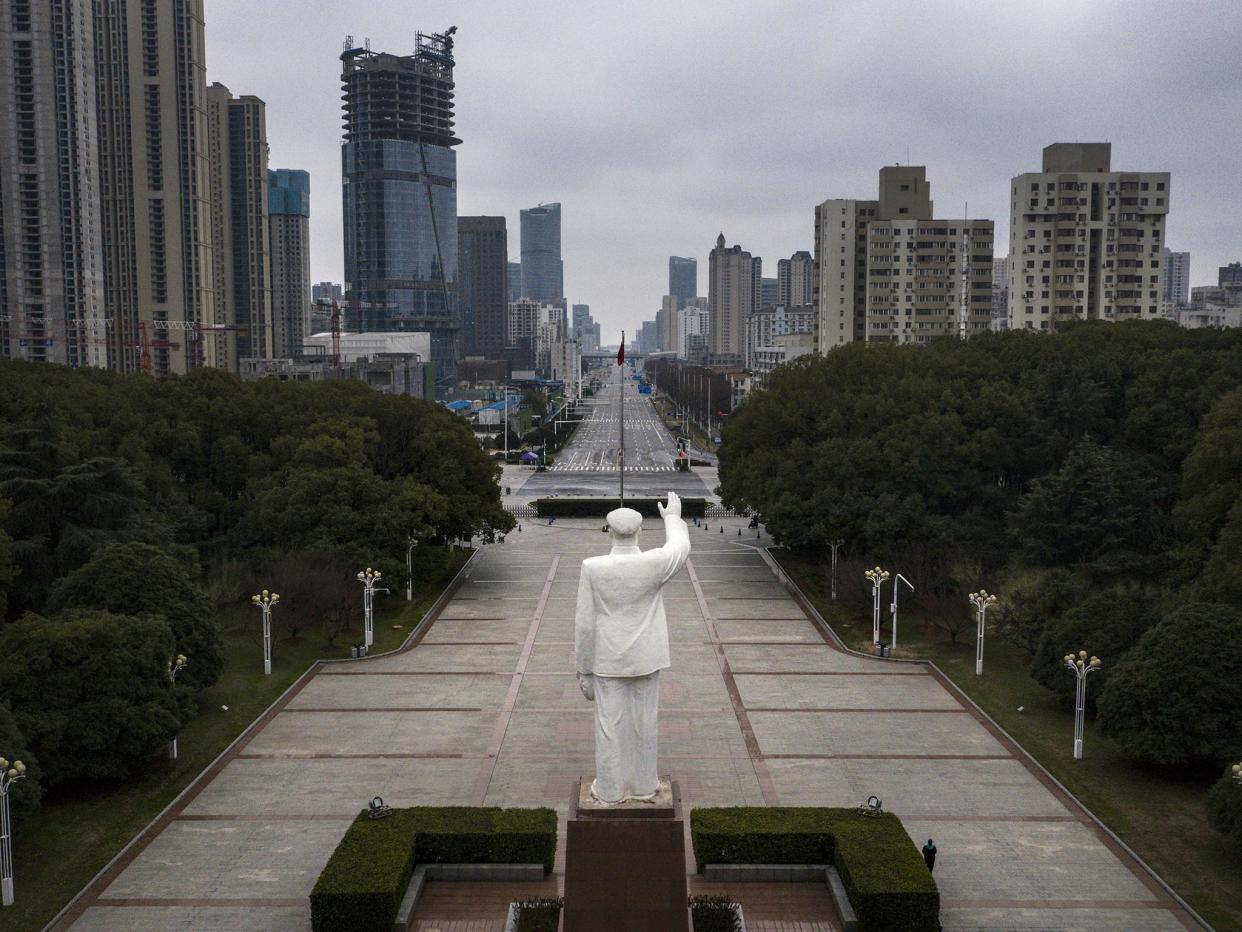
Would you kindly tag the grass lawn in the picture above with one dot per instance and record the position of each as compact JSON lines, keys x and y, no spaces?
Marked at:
{"x":69,"y":840}
{"x":1159,"y":816}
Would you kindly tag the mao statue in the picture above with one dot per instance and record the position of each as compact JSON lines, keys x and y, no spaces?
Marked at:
{"x":621,"y":639}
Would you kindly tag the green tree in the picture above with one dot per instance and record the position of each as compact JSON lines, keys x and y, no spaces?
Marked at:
{"x":1107,"y":622}
{"x":136,"y":579}
{"x":90,"y":692}
{"x":1173,"y":699}
{"x":1224,"y":806}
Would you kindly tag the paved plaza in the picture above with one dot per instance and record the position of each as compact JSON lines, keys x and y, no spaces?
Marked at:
{"x":758,"y":709}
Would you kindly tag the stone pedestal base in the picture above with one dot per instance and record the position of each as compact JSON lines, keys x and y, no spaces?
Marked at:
{"x":625,"y":866}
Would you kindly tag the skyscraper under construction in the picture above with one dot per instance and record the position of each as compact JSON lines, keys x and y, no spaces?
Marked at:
{"x":400,"y":193}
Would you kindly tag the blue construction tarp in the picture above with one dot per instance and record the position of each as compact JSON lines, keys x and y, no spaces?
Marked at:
{"x":460,"y":405}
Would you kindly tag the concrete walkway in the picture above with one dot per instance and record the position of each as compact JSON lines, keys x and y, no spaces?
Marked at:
{"x":757,"y":709}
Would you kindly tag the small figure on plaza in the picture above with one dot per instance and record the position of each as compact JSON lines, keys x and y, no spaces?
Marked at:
{"x":621,"y":640}
{"x":929,"y":855}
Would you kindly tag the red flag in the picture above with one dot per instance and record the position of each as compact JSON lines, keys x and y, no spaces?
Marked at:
{"x":621,"y":351}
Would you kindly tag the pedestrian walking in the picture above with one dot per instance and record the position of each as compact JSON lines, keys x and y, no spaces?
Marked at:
{"x":929,"y":855}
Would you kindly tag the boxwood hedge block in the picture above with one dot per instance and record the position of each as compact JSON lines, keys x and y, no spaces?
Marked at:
{"x":363,"y":882}
{"x":888,"y":884}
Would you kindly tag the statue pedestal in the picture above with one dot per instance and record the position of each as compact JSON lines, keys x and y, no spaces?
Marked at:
{"x":625,"y":865}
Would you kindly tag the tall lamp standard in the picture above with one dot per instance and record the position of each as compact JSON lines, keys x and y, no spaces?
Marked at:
{"x":368,"y":578}
{"x":9,"y":774}
{"x":896,"y":588}
{"x":1081,"y":666}
{"x":1236,"y":770}
{"x":836,"y":544}
{"x":877,"y":577}
{"x":265,"y":600}
{"x":175,"y":667}
{"x":982,"y":601}
{"x":409,"y":568}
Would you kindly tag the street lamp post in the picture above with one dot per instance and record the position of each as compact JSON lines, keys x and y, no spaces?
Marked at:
{"x":175,"y":667}
{"x":409,"y":568}
{"x":265,"y":600}
{"x":1081,"y":666}
{"x":982,"y":601}
{"x":877,"y":577}
{"x":836,"y":545}
{"x":893,"y":607}
{"x":1236,"y":770}
{"x":368,"y":578}
{"x":9,"y":774}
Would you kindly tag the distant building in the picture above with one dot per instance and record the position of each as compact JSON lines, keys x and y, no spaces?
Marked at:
{"x":795,"y":278}
{"x":400,"y":194}
{"x":1176,"y":288}
{"x":1085,"y":242}
{"x":52,"y":289}
{"x":364,"y":345}
{"x":515,"y":281}
{"x":667,"y":323}
{"x":483,"y":286}
{"x":683,"y":279}
{"x":887,"y":271}
{"x":240,"y":229}
{"x":733,"y":291}
{"x":649,"y":337}
{"x":580,"y":318}
{"x":693,"y":327}
{"x":326,"y":291}
{"x":1229,"y":275}
{"x":527,"y":315}
{"x":781,"y":350}
{"x":769,"y":292}
{"x":772,"y":321}
{"x":543,"y":271}
{"x":1000,"y":293}
{"x":288,"y":193}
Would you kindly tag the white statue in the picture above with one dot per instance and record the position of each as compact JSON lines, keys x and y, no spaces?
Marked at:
{"x":621,"y":639}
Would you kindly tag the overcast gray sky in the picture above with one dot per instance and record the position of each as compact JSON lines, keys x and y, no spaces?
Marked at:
{"x":658,"y":125}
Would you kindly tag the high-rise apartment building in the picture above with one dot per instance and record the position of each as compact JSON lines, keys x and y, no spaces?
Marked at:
{"x":693,"y":323}
{"x":1000,"y":293}
{"x":795,"y":278}
{"x":515,"y":281}
{"x":683,"y":279}
{"x":51,"y":247}
{"x":400,"y":194}
{"x":326,"y":291}
{"x":483,"y":285}
{"x":769,"y":292}
{"x":526,"y":316}
{"x":1085,"y":242}
{"x":580,"y":318}
{"x":1229,"y":275}
{"x":1176,"y":287}
{"x":543,"y":271}
{"x":288,"y":191}
{"x":734,"y":290}
{"x":666,"y":324}
{"x":240,"y":234}
{"x":772,"y":321}
{"x":887,"y":271}
{"x":153,"y":182}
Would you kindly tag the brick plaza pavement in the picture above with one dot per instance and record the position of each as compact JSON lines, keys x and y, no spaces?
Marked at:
{"x":758,"y":709}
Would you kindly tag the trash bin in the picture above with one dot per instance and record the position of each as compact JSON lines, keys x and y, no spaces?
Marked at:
{"x":881,"y":649}
{"x":353,"y":652}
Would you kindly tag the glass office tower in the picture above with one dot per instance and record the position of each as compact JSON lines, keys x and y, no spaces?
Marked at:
{"x":400,"y":195}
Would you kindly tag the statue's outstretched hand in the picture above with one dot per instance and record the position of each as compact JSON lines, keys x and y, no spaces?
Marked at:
{"x":586,"y":682}
{"x":672,"y":508}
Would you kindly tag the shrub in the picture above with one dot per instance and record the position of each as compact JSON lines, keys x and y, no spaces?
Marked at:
{"x":714,"y":914}
{"x":363,"y":882}
{"x":1163,"y":709}
{"x":885,"y":878}
{"x":1224,"y":807}
{"x":90,"y":692}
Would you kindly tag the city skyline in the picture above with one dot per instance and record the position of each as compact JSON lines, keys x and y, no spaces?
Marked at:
{"x":1034,"y":79}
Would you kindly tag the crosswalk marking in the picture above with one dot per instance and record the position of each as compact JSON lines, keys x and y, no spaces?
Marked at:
{"x":606,"y":467}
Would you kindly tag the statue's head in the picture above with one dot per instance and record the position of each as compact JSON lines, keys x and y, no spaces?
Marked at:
{"x":623,"y":526}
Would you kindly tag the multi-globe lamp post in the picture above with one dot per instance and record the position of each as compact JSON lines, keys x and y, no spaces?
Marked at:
{"x":368,"y":578}
{"x":265,"y":600}
{"x":877,"y":577}
{"x":9,"y":774}
{"x":175,"y":666}
{"x":1082,"y":666}
{"x":982,"y":601}
{"x":1236,"y":770}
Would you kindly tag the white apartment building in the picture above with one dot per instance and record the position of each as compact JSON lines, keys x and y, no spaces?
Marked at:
{"x":885,"y":270}
{"x":692,"y":320}
{"x":783,"y":348}
{"x":775,"y":321}
{"x":1085,"y":242}
{"x":1176,"y":279}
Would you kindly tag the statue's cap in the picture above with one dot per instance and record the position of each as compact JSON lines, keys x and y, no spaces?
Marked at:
{"x":625,"y":522}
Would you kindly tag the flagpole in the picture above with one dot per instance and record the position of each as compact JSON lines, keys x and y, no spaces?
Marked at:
{"x":621,"y":417}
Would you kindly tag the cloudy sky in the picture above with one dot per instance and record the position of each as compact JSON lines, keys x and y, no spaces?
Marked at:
{"x":659,"y":124}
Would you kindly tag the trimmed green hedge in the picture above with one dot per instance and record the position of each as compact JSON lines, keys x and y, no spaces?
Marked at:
{"x":599,"y":507}
{"x":363,"y":882}
{"x":888,"y":884}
